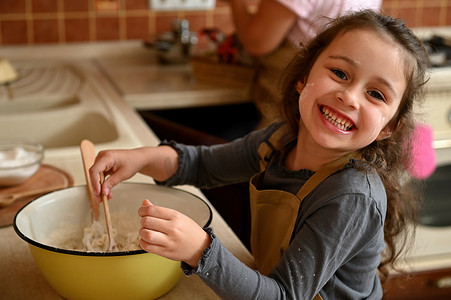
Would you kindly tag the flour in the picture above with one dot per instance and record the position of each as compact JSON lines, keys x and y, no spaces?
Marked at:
{"x":16,"y":157}
{"x":94,"y":237}
{"x":17,"y":164}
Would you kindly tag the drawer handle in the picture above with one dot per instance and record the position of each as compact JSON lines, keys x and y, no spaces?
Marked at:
{"x":443,"y":283}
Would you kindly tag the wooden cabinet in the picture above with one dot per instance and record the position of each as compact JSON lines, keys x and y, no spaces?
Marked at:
{"x":430,"y":285}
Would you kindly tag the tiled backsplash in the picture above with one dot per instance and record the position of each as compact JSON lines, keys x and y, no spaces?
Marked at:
{"x":68,"y":21}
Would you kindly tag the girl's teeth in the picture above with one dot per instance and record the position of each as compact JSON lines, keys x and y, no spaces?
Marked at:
{"x":337,"y":121}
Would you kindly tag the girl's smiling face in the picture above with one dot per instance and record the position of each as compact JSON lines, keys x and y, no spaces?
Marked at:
{"x":352,"y":92}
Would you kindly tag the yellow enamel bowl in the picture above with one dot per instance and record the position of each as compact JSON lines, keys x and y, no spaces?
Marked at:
{"x":103,"y":275}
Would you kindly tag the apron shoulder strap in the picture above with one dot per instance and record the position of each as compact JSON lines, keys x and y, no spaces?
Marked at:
{"x":274,"y":143}
{"x":323,"y":173}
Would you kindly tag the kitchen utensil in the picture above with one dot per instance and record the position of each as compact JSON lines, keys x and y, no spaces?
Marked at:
{"x":111,"y":275}
{"x":47,"y":175}
{"x":111,"y":244}
{"x":173,"y":47}
{"x":7,"y":199}
{"x":88,"y":156}
{"x":7,"y":72}
{"x":423,"y":153}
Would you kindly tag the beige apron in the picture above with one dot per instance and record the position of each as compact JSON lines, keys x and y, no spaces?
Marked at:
{"x":274,"y":212}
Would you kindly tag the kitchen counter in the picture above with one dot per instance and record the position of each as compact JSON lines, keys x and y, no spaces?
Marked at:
{"x":145,"y":84}
{"x":134,"y":72}
{"x":19,"y":275}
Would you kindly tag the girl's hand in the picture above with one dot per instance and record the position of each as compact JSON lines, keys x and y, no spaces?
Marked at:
{"x":119,"y":165}
{"x":171,"y":234}
{"x":159,"y":163}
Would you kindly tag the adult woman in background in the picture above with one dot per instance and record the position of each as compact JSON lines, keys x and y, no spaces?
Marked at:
{"x":273,"y":33}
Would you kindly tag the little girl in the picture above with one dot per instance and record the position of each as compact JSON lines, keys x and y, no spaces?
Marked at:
{"x":327,"y":184}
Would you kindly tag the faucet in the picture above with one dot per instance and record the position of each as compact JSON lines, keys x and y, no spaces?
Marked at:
{"x":182,"y":35}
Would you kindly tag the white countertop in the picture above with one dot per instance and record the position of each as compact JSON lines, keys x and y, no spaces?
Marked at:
{"x":137,"y":77}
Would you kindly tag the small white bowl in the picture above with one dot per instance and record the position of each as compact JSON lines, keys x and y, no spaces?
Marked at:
{"x":19,"y":160}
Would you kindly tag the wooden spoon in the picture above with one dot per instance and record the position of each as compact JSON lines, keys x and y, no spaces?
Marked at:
{"x":88,"y":156}
{"x":111,"y":243}
{"x":7,"y":199}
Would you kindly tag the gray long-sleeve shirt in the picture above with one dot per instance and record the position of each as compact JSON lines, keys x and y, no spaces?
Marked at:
{"x":338,"y":236}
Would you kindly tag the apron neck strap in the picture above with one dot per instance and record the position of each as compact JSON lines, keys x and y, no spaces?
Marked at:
{"x":324,"y":172}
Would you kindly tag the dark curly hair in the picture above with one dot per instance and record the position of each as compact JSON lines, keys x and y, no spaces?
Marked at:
{"x":389,"y":156}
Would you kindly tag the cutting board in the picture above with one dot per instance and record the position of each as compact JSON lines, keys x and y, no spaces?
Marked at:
{"x":46,"y":176}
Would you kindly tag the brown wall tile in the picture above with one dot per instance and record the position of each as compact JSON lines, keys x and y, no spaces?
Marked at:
{"x":224,"y":22}
{"x":40,"y":6}
{"x":389,"y":10}
{"x":76,"y":5}
{"x":107,"y":5}
{"x":12,"y":6}
{"x":45,"y":31}
{"x":222,"y":3}
{"x":409,"y":14}
{"x":107,"y":28}
{"x":76,"y":30}
{"x":14,"y":32}
{"x":136,"y":4}
{"x":164,"y":21}
{"x":137,"y":28}
{"x":133,"y":20}
{"x":430,"y":16}
{"x":196,"y":21}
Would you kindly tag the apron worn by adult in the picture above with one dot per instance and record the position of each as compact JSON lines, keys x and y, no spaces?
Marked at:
{"x":274,"y":212}
{"x":266,"y":93}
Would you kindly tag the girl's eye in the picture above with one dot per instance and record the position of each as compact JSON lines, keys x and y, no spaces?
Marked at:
{"x":377,"y":95}
{"x":340,"y":74}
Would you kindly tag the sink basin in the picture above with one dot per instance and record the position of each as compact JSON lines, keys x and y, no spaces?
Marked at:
{"x":36,"y":103}
{"x":59,"y":129}
{"x":57,"y":104}
{"x":436,"y":210}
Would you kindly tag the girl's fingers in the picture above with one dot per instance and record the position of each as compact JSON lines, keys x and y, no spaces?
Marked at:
{"x":145,"y":209}
{"x":154,"y":227}
{"x":171,"y":234}
{"x":156,"y":224}
{"x":109,"y":183}
{"x":95,"y":181}
{"x":152,"y":237}
{"x":157,"y":211}
{"x":151,"y":248}
{"x":146,"y":202}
